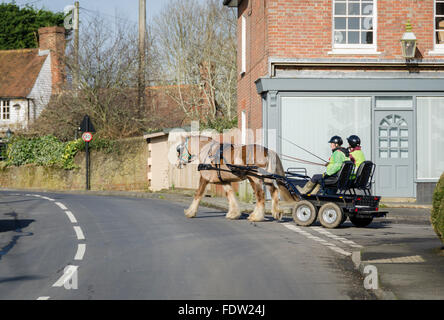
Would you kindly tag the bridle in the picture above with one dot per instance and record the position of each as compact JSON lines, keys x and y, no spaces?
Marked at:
{"x":185,"y":156}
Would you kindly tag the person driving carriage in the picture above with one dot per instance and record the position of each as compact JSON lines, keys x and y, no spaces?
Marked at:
{"x":336,"y":160}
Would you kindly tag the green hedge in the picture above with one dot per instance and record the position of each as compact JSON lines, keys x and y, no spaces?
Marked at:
{"x":437,"y":217}
{"x":49,"y":151}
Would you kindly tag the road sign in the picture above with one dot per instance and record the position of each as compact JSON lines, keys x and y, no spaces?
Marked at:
{"x":86,"y":125}
{"x":87,"y":136}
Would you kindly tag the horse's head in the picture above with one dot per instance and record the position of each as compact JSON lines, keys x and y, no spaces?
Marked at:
{"x":184,"y":155}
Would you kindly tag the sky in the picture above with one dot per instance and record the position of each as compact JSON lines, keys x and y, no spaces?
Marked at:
{"x":124,"y":9}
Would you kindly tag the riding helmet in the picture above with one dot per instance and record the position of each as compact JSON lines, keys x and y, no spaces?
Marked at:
{"x":354,"y":141}
{"x":337,"y":140}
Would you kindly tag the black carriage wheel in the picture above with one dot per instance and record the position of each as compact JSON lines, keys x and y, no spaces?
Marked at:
{"x":361,"y":222}
{"x":330,"y":215}
{"x":304,"y":213}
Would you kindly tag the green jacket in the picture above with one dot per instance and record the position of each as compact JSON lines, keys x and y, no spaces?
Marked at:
{"x":337,"y":159}
{"x":359,"y":158}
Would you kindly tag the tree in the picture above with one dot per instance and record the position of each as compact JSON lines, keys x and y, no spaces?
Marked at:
{"x":197,"y":46}
{"x":19,"y":26}
{"x":107,"y":92}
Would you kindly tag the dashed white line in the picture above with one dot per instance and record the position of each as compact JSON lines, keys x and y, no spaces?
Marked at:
{"x":43,"y":298}
{"x":79,"y":233}
{"x":69,"y":272}
{"x":71,"y":217}
{"x":81,"y":248}
{"x":61,"y":206}
{"x":335,"y":237}
{"x":317,"y":239}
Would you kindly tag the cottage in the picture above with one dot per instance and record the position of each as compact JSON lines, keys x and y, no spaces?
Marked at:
{"x":29,"y":77}
{"x":312,"y":69}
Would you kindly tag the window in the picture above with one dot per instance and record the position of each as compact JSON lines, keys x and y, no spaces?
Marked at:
{"x":354,"y":24}
{"x":430,"y":119}
{"x":439,"y":23}
{"x":5,"y":109}
{"x":393,"y":138}
{"x":311,"y":121}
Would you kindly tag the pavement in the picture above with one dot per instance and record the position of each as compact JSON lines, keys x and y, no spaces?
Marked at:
{"x":402,"y":248}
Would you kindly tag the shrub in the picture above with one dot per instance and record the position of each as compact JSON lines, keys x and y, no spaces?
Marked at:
{"x":437,"y":216}
{"x":49,"y":151}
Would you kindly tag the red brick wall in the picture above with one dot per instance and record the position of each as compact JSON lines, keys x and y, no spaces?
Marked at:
{"x":53,"y":39}
{"x":302,"y":29}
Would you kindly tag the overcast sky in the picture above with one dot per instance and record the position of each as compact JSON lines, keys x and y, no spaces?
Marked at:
{"x":126,"y":9}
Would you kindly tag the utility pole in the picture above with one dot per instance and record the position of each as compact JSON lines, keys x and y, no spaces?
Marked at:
{"x":76,"y":79}
{"x":142,"y":30}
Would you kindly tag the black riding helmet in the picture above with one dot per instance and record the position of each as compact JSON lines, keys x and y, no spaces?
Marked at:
{"x":354,"y":141}
{"x":337,"y":140}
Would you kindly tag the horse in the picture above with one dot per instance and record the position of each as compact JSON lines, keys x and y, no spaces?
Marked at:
{"x":205,"y":150}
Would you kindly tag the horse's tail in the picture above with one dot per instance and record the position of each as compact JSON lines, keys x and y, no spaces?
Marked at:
{"x":279,"y":170}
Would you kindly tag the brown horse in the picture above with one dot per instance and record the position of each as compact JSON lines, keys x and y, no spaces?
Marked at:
{"x":208,"y":151}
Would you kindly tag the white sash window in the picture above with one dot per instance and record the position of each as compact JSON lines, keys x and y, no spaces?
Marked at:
{"x":354,"y":26}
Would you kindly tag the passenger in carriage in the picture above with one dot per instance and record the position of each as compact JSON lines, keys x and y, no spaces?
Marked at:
{"x":338,"y":157}
{"x":356,"y":154}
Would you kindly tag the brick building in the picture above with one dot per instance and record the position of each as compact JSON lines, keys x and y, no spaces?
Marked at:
{"x":310,"y":69}
{"x":29,"y":77}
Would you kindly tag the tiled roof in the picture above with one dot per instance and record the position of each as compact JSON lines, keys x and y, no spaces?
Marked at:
{"x":19,"y":70}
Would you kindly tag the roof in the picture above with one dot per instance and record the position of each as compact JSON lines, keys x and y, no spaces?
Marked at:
{"x":19,"y":70}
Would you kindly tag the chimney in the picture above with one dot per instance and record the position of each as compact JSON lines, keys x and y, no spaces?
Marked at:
{"x":52,"y":39}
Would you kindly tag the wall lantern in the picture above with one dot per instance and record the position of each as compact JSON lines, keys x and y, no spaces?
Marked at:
{"x":9,"y":133}
{"x":408,"y":42}
{"x":17,"y":107}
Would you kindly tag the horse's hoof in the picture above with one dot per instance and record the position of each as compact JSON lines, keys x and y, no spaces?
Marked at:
{"x":188,"y":214}
{"x":232,"y":217}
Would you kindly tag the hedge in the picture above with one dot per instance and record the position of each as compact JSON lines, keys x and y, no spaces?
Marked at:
{"x":437,"y":216}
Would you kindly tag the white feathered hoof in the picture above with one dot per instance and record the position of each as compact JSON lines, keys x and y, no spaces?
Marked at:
{"x":189,"y":214}
{"x":233,"y":215}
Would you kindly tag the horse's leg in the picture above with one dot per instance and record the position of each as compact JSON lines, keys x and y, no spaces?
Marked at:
{"x":276,"y":212}
{"x":192,"y":210}
{"x":258,"y":214}
{"x":233,"y":212}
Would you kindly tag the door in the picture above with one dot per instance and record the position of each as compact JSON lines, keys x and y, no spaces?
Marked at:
{"x":394,"y":153}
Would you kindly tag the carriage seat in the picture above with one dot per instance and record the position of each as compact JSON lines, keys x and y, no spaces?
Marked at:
{"x":340,"y":181}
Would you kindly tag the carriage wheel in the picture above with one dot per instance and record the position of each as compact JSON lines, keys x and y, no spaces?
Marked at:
{"x":331,"y":215}
{"x":361,"y":222}
{"x":304,"y":213}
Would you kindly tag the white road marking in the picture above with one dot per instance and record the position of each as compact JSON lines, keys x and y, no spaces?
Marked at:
{"x":71,"y":217}
{"x":69,"y":272}
{"x":317,"y":239}
{"x":43,"y":298}
{"x":411,"y":259}
{"x":81,"y":248}
{"x":335,"y":237}
{"x":61,"y":205}
{"x":49,"y":199}
{"x":79,"y":233}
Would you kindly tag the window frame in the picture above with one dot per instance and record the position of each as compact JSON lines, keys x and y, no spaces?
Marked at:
{"x":436,"y":46}
{"x":355,"y":48}
{"x":5,"y":110}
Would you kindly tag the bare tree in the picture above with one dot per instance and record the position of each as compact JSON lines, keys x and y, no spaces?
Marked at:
{"x":197,"y":46}
{"x":107,"y":90}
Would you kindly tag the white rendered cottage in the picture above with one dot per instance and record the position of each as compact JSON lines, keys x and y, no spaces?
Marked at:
{"x":28,"y":79}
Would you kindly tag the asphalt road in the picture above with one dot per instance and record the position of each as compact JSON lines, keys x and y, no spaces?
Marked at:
{"x":127,"y":248}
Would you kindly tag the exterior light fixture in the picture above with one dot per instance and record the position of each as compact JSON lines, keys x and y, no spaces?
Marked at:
{"x":9,"y":133}
{"x":408,"y":42}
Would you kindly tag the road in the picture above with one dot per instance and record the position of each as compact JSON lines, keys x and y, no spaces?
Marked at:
{"x":128,"y":248}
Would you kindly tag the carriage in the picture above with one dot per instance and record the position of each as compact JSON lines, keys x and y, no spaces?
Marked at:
{"x":340,"y":197}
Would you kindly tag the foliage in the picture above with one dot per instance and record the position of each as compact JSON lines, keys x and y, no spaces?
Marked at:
{"x":220,"y":124}
{"x":19,"y":26}
{"x":437,"y":217}
{"x":49,"y":151}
